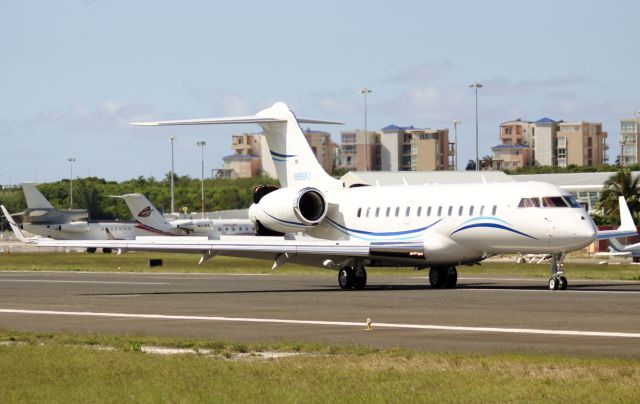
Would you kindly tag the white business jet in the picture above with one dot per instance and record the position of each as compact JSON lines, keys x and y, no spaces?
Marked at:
{"x":149,"y":222}
{"x":42,"y":219}
{"x":437,"y":226}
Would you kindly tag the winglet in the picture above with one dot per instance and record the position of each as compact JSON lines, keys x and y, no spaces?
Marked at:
{"x":13,"y":224}
{"x":626,"y":221}
{"x":627,"y":226}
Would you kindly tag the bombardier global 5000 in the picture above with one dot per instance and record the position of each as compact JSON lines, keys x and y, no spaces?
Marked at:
{"x":436,"y":227}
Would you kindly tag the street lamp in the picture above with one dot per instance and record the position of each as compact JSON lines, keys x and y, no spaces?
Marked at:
{"x":71,"y":161}
{"x":455,"y":124}
{"x":476,"y":85}
{"x":365,"y":91}
{"x":171,"y":139}
{"x":201,"y":144}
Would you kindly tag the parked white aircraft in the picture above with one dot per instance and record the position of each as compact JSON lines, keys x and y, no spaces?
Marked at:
{"x":44,"y":220}
{"x":617,"y":249}
{"x":428,"y":226}
{"x":150,"y":222}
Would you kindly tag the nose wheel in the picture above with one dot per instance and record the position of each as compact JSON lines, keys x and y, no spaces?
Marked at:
{"x":557,"y":281}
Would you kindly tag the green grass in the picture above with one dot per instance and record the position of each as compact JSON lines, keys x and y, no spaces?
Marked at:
{"x":139,"y":262}
{"x":65,"y":368}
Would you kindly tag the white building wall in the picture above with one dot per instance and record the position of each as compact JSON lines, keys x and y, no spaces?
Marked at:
{"x":544,"y":145}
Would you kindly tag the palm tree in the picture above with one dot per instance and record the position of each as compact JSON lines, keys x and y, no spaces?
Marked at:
{"x":624,"y":184}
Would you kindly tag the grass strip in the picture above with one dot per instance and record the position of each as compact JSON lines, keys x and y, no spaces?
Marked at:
{"x":64,"y":368}
{"x":188,"y":263}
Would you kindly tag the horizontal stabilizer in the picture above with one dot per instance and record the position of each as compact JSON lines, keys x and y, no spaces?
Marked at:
{"x":232,"y":120}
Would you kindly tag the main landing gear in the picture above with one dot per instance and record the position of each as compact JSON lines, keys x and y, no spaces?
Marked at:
{"x":557,"y":279}
{"x":352,"y":277}
{"x":443,"y":277}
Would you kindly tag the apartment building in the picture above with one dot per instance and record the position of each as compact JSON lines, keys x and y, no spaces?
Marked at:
{"x":250,"y":158}
{"x":546,"y":142}
{"x":414,"y":149}
{"x":359,"y":151}
{"x":629,"y":140}
{"x":322,"y":147}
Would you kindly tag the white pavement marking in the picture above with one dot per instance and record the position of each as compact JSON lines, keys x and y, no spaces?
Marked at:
{"x":470,"y":288}
{"x":96,"y":282}
{"x":334,"y":323}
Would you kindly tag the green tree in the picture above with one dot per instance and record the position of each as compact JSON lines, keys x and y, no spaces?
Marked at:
{"x":622,"y":183}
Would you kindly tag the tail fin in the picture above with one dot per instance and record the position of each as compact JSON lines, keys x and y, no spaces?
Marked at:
{"x":295,"y":162}
{"x":35,"y":200}
{"x":145,"y":213}
{"x":14,"y":226}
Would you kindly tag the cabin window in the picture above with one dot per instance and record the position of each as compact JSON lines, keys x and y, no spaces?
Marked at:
{"x":572,"y":201}
{"x":481,"y":210}
{"x":494,"y":210}
{"x":368,"y":211}
{"x":439,"y":211}
{"x":408,"y":211}
{"x":359,"y":212}
{"x":377,"y":211}
{"x":450,"y":210}
{"x":429,"y":211}
{"x":388,"y":210}
{"x":460,"y":210}
{"x":553,"y":202}
{"x":471,"y":210}
{"x":397,"y":211}
{"x":419,"y":211}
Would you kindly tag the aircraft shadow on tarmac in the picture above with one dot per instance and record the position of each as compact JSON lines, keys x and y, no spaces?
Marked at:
{"x":595,"y":287}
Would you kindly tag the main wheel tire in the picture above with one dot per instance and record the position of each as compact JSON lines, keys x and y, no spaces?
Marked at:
{"x":91,"y":250}
{"x":437,"y":277}
{"x":106,"y":250}
{"x":451,"y":279}
{"x":360,"y":279}
{"x":553,"y":284}
{"x":346,"y":277}
{"x":563,"y":284}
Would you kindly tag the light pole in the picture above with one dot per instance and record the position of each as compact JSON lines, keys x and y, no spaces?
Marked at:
{"x":172,"y":138}
{"x":365,"y":91}
{"x":476,"y":85}
{"x":201,"y":144}
{"x":71,"y":161}
{"x":455,"y":124}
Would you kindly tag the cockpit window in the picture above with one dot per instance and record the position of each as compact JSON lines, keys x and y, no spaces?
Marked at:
{"x":554,"y":202}
{"x":572,"y":201}
{"x":529,"y":203}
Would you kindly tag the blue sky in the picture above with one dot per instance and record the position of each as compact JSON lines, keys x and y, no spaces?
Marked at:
{"x":74,"y":73}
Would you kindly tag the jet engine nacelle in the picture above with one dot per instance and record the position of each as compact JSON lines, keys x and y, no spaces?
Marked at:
{"x":74,"y":227}
{"x":289,"y":210}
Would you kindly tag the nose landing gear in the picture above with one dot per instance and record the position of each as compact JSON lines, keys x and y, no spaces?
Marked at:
{"x":557,"y":279}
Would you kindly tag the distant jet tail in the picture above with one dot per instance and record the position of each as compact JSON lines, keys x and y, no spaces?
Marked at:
{"x":146,"y":214}
{"x":35,"y":199}
{"x":296,"y":165}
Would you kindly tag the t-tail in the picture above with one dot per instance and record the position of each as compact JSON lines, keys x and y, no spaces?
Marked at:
{"x":146,"y":215}
{"x":296,"y":165}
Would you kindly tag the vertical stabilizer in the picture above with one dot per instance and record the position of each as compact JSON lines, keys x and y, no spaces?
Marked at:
{"x":295,"y":162}
{"x":146,"y":214}
{"x":35,"y":200}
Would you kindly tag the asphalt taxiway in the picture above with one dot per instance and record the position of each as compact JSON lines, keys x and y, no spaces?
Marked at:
{"x":484,"y":314}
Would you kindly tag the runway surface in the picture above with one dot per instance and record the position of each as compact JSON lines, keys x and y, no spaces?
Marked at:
{"x":484,"y":314}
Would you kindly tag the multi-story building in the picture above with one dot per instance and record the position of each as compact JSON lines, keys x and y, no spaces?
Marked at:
{"x":413,"y":149}
{"x":359,"y":151}
{"x":251,"y":158}
{"x":629,"y":140}
{"x":546,"y":142}
{"x":581,"y":144}
{"x":322,"y":147}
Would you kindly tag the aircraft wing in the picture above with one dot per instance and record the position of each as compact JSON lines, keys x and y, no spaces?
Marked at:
{"x":279,"y":249}
{"x":627,"y":226}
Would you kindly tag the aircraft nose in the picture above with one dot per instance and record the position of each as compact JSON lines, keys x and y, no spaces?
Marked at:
{"x":585,"y":228}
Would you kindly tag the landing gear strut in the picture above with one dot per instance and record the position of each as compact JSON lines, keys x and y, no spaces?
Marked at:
{"x":443,"y":277}
{"x":352,"y":278}
{"x":557,"y":279}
